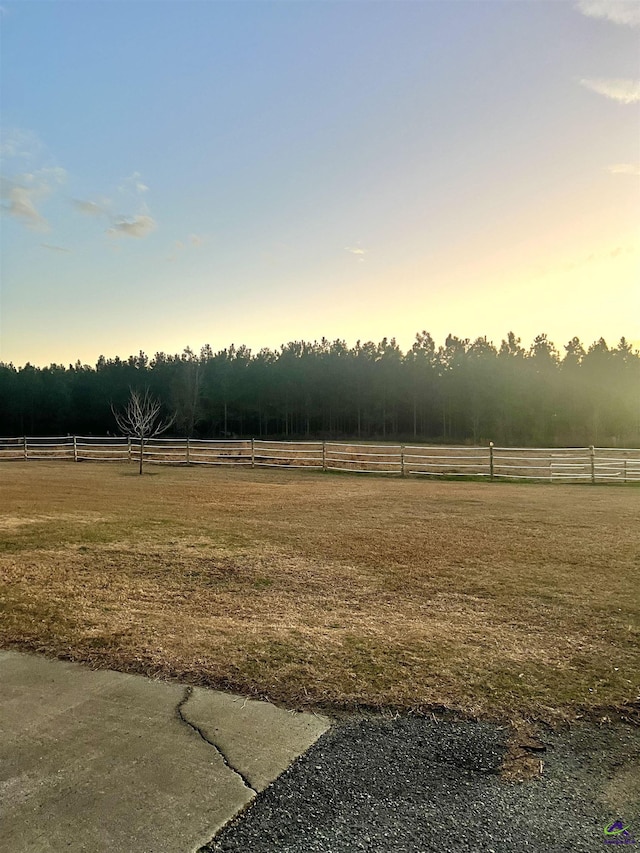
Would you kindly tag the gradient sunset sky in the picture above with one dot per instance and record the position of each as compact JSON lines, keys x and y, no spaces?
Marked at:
{"x":182,"y":173}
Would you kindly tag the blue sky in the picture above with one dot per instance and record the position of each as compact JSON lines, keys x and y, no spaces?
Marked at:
{"x":182,"y":173}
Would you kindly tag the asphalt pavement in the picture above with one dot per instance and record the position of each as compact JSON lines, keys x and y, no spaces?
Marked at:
{"x":415,"y":785}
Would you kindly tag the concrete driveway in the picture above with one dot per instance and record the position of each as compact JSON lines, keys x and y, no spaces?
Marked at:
{"x":102,"y":761}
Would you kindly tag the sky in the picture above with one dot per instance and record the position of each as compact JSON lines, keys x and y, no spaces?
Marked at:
{"x":185,"y":173}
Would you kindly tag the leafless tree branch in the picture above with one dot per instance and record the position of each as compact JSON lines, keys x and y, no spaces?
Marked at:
{"x":141,"y":418}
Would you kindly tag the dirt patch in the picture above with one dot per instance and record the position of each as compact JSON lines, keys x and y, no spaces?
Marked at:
{"x":8,"y":522}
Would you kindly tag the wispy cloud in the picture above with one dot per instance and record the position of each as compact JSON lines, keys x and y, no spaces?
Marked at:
{"x":136,"y":226}
{"x":625,"y":12}
{"x":15,"y":142}
{"x":136,"y":220}
{"x":29,"y":176}
{"x":357,"y":251}
{"x":21,"y":195}
{"x":139,"y":224}
{"x":624,"y":169}
{"x":53,"y":248}
{"x":178,"y":246}
{"x":19,"y":201}
{"x":90,"y":208}
{"x":593,"y":258}
{"x":194,"y":241}
{"x":133,"y":184}
{"x":622,"y":250}
{"x":623,"y":90}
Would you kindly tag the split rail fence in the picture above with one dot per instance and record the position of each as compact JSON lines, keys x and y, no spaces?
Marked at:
{"x":575,"y":464}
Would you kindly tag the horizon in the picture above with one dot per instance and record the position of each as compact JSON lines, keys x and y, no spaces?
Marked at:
{"x":151,"y":354}
{"x":177,"y":174}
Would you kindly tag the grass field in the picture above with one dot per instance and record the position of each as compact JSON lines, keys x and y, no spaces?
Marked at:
{"x":498,"y":600}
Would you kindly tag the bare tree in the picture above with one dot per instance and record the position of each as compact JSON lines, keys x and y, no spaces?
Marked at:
{"x":141,"y":418}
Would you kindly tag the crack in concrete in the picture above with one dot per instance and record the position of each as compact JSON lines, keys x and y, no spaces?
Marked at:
{"x":187,"y":694}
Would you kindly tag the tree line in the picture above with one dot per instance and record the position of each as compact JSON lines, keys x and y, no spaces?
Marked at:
{"x":460,"y":392}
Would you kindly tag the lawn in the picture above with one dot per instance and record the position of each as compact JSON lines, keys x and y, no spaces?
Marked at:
{"x":510,"y":601}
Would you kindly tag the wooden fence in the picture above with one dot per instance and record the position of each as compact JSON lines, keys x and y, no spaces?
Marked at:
{"x":575,"y":464}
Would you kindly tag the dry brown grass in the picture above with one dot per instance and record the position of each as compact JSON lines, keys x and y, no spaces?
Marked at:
{"x":489,"y":599}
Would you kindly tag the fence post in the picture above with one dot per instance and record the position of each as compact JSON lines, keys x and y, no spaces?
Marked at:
{"x":129,"y":448}
{"x":75,"y":449}
{"x":26,"y":453}
{"x":491,"y":460}
{"x":253,"y":453}
{"x":188,"y":455}
{"x":324,"y":455}
{"x":624,"y":465}
{"x":592,"y":454}
{"x":402,"y":460}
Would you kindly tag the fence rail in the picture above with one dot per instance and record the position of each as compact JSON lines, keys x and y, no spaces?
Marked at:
{"x":567,"y":464}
